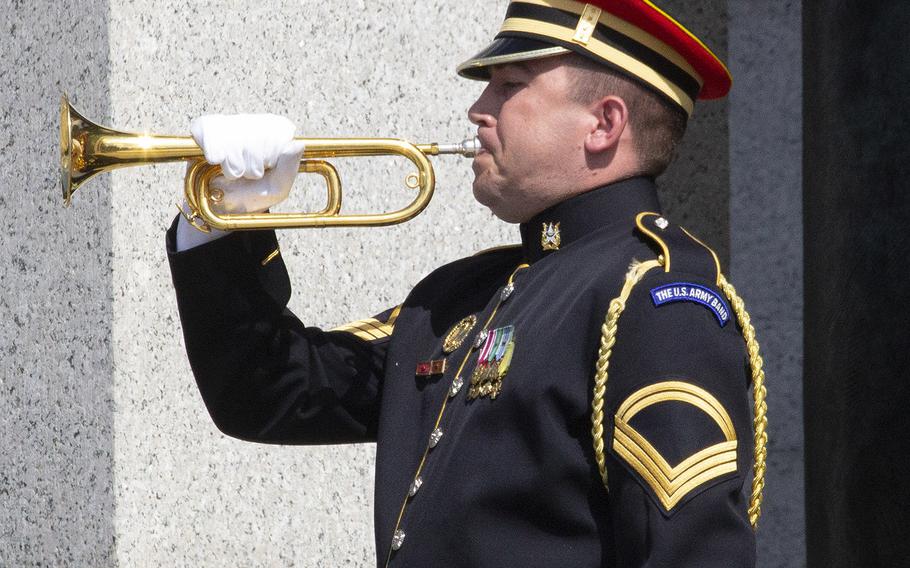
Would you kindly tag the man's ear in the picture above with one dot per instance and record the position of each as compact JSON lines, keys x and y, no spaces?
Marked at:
{"x":612,"y":117}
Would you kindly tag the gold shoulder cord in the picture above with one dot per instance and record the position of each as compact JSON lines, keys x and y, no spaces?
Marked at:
{"x":760,"y":421}
{"x":636,"y":272}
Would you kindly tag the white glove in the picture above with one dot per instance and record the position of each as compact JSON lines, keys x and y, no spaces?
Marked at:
{"x":259,"y":160}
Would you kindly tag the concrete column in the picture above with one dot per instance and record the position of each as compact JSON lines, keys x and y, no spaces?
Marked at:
{"x":56,"y":358}
{"x":186,"y":494}
{"x":695,"y":191}
{"x":766,"y":245}
{"x":857,"y":389}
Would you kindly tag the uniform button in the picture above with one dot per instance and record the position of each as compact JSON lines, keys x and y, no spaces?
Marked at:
{"x":506,"y":292}
{"x":435,"y":437}
{"x":481,"y":337}
{"x":662,"y":223}
{"x":397,"y":539}
{"x":415,"y":486}
{"x":456,"y":386}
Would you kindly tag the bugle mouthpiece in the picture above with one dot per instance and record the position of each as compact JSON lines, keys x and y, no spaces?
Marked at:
{"x":467,"y":148}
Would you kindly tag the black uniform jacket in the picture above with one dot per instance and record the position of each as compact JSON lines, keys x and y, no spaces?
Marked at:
{"x":490,"y":461}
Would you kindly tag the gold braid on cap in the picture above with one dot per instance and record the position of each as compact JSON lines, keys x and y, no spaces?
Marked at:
{"x":636,"y":272}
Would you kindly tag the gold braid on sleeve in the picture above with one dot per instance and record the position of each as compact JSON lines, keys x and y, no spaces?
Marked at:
{"x":636,"y":272}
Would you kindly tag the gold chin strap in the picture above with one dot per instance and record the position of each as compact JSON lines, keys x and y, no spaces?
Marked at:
{"x":636,"y":272}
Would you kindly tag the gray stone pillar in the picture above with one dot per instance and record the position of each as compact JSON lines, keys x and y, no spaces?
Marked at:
{"x":56,"y":309}
{"x":857,"y":132}
{"x":695,"y":190}
{"x":185,"y":494}
{"x":766,"y":245}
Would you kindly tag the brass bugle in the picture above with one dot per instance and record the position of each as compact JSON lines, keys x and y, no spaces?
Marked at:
{"x":88,"y":149}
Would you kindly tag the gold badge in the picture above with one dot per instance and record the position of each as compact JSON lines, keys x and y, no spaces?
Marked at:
{"x":458,"y":333}
{"x":549,"y":237}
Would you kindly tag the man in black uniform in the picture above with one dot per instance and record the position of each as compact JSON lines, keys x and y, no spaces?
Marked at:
{"x":578,"y":400}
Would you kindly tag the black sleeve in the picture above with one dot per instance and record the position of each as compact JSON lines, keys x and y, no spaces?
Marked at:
{"x":678,"y":432}
{"x":263,"y":375}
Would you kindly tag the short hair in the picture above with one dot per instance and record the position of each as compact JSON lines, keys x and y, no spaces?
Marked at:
{"x":658,"y":125}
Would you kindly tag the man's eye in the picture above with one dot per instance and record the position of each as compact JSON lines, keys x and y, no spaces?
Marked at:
{"x":511,"y":85}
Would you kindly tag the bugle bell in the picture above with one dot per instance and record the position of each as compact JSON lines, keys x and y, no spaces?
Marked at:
{"x":87,"y":149}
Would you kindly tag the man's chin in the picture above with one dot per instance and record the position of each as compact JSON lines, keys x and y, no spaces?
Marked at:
{"x":484,"y":194}
{"x":492,"y":200}
{"x":499,"y":210}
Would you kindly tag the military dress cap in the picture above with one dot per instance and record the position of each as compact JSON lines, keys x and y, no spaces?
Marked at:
{"x":634,"y":37}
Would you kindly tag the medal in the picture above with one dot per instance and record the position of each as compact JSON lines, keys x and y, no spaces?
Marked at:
{"x":492,"y":363}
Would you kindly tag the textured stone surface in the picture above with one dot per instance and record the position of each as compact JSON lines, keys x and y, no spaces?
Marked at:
{"x":56,"y":407}
{"x":185,"y":493}
{"x":766,"y":244}
{"x":695,"y":190}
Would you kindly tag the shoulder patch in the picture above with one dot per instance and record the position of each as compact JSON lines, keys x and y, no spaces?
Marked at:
{"x":692,"y":292}
{"x":373,"y":329}
{"x":682,"y":252}
{"x":672,"y":483}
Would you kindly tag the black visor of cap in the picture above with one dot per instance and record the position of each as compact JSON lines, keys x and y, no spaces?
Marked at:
{"x":506,"y":50}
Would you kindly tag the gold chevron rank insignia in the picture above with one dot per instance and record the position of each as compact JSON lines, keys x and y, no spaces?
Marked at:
{"x":672,"y":483}
{"x":372,"y":329}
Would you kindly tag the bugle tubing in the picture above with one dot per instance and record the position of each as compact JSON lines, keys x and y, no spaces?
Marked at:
{"x":87,"y":149}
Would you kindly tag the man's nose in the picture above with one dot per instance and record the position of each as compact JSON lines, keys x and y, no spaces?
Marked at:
{"x":481,"y":112}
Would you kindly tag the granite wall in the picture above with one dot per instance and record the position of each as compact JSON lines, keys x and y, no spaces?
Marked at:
{"x":185,"y":492}
{"x":108,"y":457}
{"x":694,"y":191}
{"x":56,"y":357}
{"x":766,"y":259}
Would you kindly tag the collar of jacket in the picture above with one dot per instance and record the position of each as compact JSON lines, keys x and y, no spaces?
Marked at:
{"x":614,"y":204}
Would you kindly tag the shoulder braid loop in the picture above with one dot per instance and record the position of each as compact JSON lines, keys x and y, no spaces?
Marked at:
{"x":637,"y":271}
